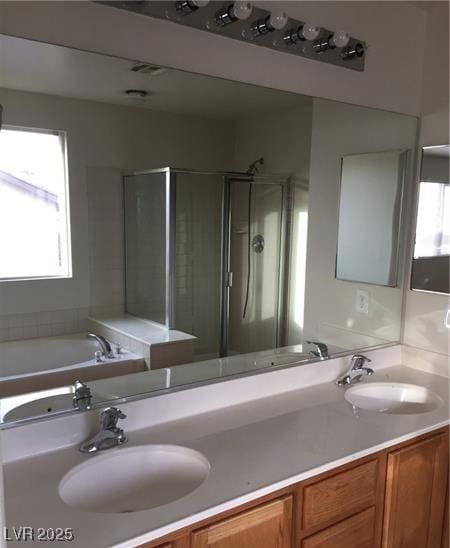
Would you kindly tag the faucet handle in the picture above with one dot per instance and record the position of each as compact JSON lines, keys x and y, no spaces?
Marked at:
{"x":361,"y":357}
{"x":109,"y":418}
{"x":358,"y":360}
{"x":82,"y":398}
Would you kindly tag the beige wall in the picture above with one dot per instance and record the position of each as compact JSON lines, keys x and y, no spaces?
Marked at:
{"x":330,"y":306}
{"x":425,"y":313}
{"x":283,"y":139}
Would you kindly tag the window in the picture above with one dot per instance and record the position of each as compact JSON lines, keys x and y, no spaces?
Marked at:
{"x":433,"y":220}
{"x":34,"y":227}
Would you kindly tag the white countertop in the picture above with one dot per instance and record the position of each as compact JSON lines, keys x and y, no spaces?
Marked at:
{"x":142,"y":330}
{"x":254,"y":448}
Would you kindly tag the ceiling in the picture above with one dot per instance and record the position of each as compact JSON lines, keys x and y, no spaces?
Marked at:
{"x":427,"y":6}
{"x":44,"y":68}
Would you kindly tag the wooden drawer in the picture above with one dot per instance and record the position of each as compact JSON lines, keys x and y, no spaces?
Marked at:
{"x":267,"y":526}
{"x":339,"y":496}
{"x":356,"y":532}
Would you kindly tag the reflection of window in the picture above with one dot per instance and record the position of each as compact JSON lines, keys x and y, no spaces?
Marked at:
{"x":433,"y":220}
{"x":33,"y":204}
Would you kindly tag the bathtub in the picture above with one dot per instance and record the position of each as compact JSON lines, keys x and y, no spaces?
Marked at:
{"x":42,"y":363}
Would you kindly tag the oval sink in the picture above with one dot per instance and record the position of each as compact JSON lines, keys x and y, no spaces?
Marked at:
{"x":393,"y":398}
{"x":132,"y":479}
{"x":40,"y":406}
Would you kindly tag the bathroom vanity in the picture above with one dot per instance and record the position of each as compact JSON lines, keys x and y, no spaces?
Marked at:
{"x":284,"y":460}
{"x":237,"y":246}
{"x":358,"y":504}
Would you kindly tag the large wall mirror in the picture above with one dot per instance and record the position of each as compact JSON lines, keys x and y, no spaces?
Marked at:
{"x":160,"y":228}
{"x":430,"y":266}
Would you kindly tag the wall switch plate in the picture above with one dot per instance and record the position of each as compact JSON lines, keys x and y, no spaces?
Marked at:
{"x":362,"y":301}
{"x":447,"y":319}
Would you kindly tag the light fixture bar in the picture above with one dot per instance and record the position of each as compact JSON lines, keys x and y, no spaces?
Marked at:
{"x":241,"y":20}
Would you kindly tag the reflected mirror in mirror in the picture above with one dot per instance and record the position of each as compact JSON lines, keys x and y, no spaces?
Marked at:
{"x":430,"y":266}
{"x":370,"y":210}
{"x":193,"y":228}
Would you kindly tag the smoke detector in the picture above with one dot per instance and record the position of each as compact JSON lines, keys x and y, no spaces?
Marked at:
{"x":137,"y":95}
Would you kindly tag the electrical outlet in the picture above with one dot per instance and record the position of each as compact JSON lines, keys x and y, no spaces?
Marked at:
{"x":362,"y":301}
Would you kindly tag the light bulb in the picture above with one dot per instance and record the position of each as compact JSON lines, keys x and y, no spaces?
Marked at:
{"x":278,"y":20}
{"x":310,"y":32}
{"x":242,"y":10}
{"x":200,"y":3}
{"x":340,"y":39}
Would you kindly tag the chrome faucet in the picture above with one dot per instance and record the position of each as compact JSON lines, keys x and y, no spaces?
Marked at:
{"x":109,"y":434}
{"x":82,"y":397}
{"x":104,"y":345}
{"x":356,"y":370}
{"x":321,"y":350}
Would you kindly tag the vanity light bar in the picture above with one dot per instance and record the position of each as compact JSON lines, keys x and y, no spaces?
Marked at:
{"x":243,"y":21}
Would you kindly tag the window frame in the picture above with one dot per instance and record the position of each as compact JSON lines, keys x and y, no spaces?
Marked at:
{"x":62,"y":136}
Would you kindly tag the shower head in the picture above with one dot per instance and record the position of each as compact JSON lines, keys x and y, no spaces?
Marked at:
{"x":253,"y":167}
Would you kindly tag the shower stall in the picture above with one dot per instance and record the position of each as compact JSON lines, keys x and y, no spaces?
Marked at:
{"x":206,"y":253}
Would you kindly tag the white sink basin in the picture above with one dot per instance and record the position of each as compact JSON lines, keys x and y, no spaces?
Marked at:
{"x":38,"y":407}
{"x":393,"y":398}
{"x":132,"y":479}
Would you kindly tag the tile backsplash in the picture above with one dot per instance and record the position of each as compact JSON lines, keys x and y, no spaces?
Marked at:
{"x":42,"y":324}
{"x":49,"y":323}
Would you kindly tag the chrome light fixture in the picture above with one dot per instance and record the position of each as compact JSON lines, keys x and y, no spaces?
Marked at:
{"x":302,"y":33}
{"x":185,"y":7}
{"x":242,"y":20}
{"x":238,"y":11}
{"x":276,"y":20}
{"x":334,"y":40}
{"x":353,"y":52}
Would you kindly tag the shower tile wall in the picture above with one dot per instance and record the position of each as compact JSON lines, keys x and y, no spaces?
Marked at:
{"x":145,"y":250}
{"x":105,"y":224}
{"x":197,"y":260}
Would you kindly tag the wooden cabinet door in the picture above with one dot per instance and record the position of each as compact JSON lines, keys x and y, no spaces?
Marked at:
{"x":416,"y":485}
{"x":445,"y":535}
{"x":359,"y":531}
{"x":267,"y":526}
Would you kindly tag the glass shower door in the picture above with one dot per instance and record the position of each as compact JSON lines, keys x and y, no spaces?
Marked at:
{"x":197,"y":259}
{"x":255,"y":261}
{"x":145,"y":245}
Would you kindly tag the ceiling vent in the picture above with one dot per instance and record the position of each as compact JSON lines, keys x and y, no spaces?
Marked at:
{"x":145,"y":68}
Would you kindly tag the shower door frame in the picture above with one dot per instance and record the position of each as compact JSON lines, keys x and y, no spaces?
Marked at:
{"x":226,"y":275}
{"x":228,"y":177}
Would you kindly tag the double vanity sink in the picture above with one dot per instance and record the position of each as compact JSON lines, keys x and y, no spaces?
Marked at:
{"x":207,"y":460}
{"x":139,"y":478}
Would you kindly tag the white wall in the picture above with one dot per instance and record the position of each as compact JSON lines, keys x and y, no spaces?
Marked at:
{"x":393,"y":30}
{"x":425,"y":313}
{"x":330,"y":311}
{"x":99,"y":136}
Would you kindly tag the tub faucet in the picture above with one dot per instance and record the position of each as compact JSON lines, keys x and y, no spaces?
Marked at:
{"x":321,"y":350}
{"x":109,"y":434}
{"x":104,"y":344}
{"x":356,"y":370}
{"x":82,"y":398}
